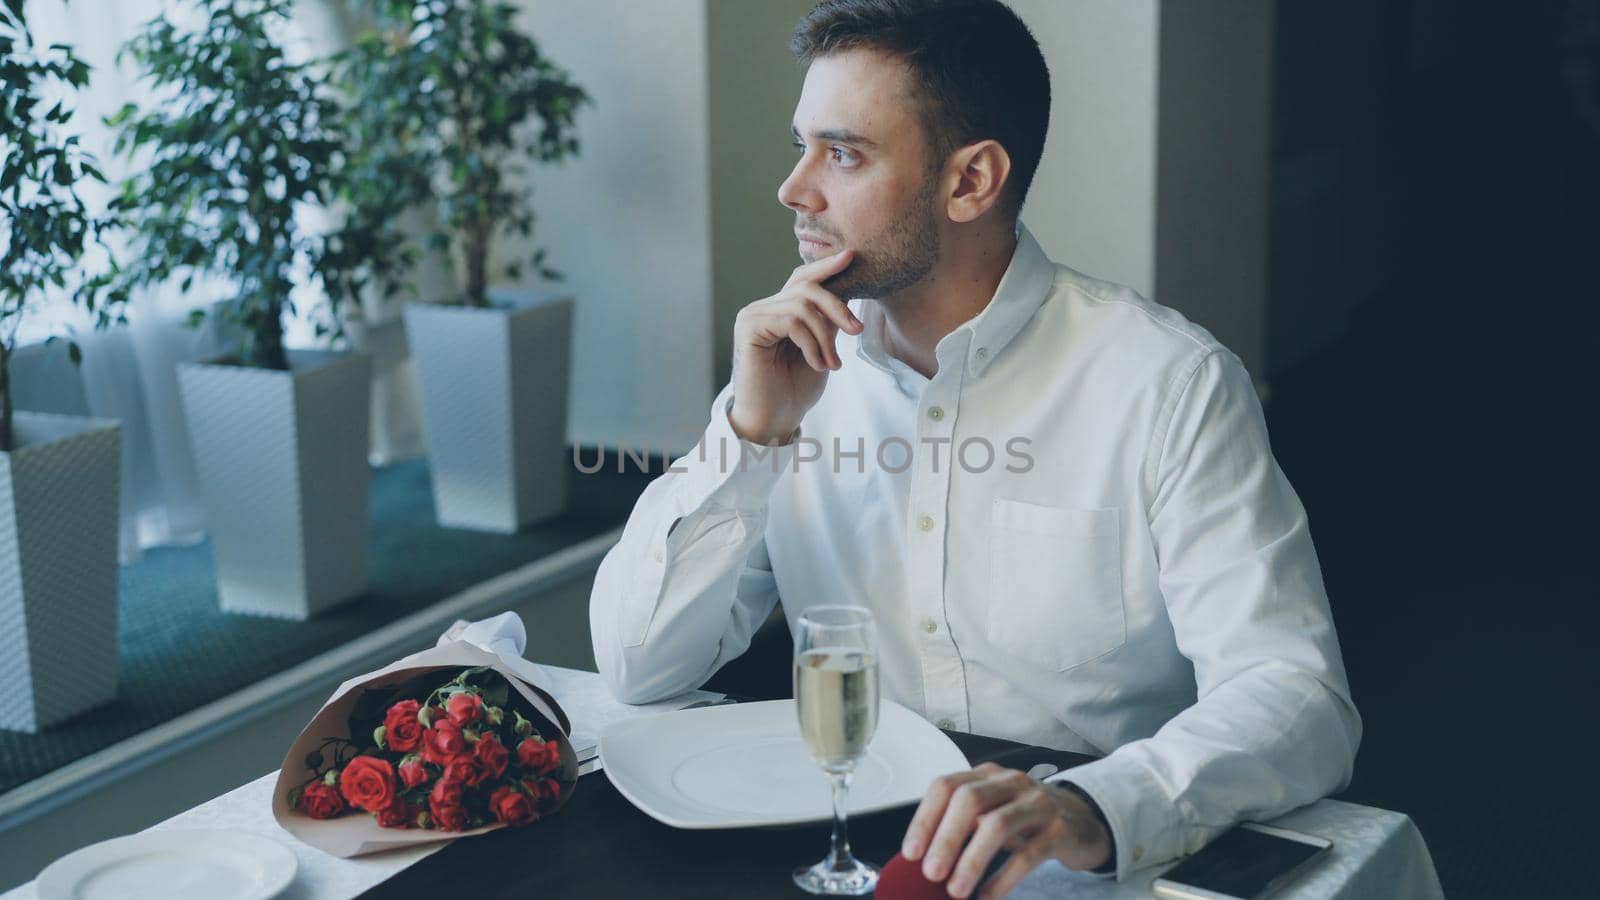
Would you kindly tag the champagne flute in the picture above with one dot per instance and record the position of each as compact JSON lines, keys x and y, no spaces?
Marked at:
{"x":836,"y":692}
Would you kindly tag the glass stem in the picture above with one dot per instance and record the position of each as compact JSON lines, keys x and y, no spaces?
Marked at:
{"x":839,"y":857}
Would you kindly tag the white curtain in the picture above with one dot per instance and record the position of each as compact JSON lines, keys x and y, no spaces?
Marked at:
{"x":130,"y":373}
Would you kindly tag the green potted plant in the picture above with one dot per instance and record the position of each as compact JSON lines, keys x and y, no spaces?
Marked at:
{"x":447,"y":93}
{"x":242,"y":140}
{"x":59,"y":475}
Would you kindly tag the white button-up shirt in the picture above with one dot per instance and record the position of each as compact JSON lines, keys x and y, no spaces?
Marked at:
{"x":1073,"y":535}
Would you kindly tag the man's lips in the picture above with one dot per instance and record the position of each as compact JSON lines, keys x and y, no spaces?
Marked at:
{"x":812,"y":242}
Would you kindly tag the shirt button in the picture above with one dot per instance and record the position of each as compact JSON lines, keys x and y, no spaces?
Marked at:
{"x":935,"y":413}
{"x":659,"y":556}
{"x":925,"y":523}
{"x":1137,"y":853}
{"x":946,"y":724}
{"x":983,"y":352}
{"x":929,"y":625}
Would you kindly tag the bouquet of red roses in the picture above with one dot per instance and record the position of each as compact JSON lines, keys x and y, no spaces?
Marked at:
{"x":453,"y":757}
{"x":451,"y":741}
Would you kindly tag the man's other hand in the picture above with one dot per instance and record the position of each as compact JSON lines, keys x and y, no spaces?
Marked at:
{"x":1000,"y":808}
{"x":783,"y":350}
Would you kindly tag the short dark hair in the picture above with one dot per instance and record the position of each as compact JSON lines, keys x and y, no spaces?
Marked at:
{"x":980,"y":71}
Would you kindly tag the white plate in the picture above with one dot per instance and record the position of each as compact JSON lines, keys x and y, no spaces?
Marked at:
{"x":745,"y":765}
{"x":174,"y":863}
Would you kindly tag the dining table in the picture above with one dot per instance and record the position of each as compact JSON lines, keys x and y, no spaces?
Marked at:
{"x":599,"y":845}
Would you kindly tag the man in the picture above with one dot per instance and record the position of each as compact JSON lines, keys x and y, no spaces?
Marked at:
{"x":1057,"y":497}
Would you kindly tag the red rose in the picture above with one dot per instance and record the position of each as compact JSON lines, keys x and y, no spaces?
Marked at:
{"x":464,"y":708}
{"x":320,"y":801}
{"x":511,"y":806}
{"x":368,"y":782}
{"x":464,"y":772}
{"x":445,"y":793}
{"x":492,"y":756}
{"x":538,"y":757}
{"x":401,"y":730}
{"x":545,"y":793}
{"x":398,"y":815}
{"x":413,"y":773}
{"x":447,"y":816}
{"x":444,"y":743}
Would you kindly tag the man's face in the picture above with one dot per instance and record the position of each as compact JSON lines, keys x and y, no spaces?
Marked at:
{"x":863,"y":181}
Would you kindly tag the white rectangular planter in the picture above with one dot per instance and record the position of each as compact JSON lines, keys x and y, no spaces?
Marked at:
{"x":282,"y":460}
{"x":494,"y":386}
{"x":59,"y":493}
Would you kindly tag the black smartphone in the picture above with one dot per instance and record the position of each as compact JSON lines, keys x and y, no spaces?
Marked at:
{"x":1245,"y":862}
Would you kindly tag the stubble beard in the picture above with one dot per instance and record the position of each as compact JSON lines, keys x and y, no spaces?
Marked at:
{"x":900,"y":257}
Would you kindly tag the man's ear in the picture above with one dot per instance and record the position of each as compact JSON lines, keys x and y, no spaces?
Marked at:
{"x":980,"y":170}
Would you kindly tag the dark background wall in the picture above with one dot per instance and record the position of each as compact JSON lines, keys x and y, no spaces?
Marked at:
{"x":1435,"y":221}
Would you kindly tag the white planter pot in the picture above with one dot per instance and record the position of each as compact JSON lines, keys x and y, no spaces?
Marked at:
{"x":59,"y":495}
{"x":494,"y":408}
{"x":282,"y":460}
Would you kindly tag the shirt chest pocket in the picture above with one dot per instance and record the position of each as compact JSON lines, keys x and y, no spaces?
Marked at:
{"x":1055,"y":583}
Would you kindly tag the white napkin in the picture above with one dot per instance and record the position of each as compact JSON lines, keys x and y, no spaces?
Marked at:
{"x":583,"y":695}
{"x":505,"y":637}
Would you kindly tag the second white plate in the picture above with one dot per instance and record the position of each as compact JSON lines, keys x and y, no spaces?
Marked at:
{"x":172,"y":864}
{"x":745,"y":765}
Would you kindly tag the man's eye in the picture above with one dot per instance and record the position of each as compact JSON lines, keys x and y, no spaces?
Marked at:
{"x":799,"y":145}
{"x":842,"y":156}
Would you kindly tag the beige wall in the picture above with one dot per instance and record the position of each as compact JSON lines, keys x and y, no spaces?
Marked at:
{"x":754,"y":83}
{"x":629,"y":221}
{"x":1212,"y":173}
{"x":1092,"y":204}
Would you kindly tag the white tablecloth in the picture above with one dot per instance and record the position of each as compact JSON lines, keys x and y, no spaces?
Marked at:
{"x":1376,"y":853}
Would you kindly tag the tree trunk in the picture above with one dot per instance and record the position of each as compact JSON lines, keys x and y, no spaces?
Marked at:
{"x":264,"y":342}
{"x":477,"y":252}
{"x":5,"y":399}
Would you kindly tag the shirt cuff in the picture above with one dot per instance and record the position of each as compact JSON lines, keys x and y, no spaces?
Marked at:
{"x":726,"y":471}
{"x":1144,"y":822}
{"x":1109,"y":867}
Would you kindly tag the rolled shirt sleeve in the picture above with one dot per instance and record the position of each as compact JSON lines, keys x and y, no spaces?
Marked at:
{"x":1274,"y":726}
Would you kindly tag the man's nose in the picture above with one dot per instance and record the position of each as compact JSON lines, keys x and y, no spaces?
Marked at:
{"x":797,"y":191}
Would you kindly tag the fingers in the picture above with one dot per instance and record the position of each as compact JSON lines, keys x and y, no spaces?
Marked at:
{"x":1022,"y":862}
{"x":1006,"y":826}
{"x":837,"y":311}
{"x":931,"y":811}
{"x":811,"y":346}
{"x":813,"y":317}
{"x":823,"y":267}
{"x":967,"y":802}
{"x":804,"y":313}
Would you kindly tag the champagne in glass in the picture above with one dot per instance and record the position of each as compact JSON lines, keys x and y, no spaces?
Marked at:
{"x":836,"y":692}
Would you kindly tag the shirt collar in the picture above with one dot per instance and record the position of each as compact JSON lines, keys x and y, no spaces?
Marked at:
{"x":1027,"y":282}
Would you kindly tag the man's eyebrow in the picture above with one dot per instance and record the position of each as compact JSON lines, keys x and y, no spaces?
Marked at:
{"x":842,"y":135}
